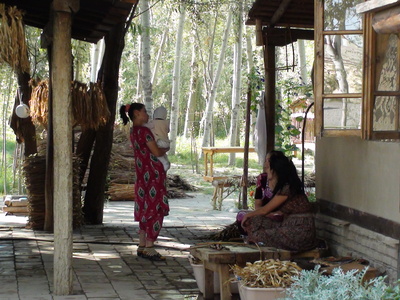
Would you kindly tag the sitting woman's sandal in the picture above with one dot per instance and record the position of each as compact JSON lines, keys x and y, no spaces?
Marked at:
{"x":140,"y":251}
{"x":151,"y":254}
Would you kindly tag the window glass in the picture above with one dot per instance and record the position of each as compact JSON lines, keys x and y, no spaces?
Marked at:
{"x":387,"y":62}
{"x":386,"y":113}
{"x":342,"y":113}
{"x":343,"y":56}
{"x":342,"y":15}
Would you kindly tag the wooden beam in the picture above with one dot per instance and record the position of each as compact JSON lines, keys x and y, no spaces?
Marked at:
{"x":259,"y":34}
{"x":375,"y":5}
{"x":280,"y":37}
{"x":62,"y":126}
{"x":279,"y":12}
{"x":387,"y":21}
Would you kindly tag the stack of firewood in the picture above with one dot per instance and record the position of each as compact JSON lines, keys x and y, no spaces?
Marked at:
{"x":15,"y":205}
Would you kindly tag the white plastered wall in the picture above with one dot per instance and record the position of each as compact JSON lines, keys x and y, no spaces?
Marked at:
{"x":360,"y":174}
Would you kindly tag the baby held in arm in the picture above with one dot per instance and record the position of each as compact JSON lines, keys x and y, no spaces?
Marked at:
{"x":159,"y":126}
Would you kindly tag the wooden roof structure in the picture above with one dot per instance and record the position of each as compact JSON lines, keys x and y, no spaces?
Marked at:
{"x":278,"y":23}
{"x":93,"y":20}
{"x":283,"y":13}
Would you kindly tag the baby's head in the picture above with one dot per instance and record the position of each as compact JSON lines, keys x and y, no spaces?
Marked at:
{"x":160,"y":113}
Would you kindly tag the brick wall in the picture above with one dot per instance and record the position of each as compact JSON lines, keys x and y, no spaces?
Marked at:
{"x":346,"y":239}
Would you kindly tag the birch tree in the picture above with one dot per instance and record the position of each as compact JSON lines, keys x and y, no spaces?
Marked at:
{"x":236,"y":88}
{"x":189,"y":117}
{"x":160,"y":51}
{"x":176,"y":82}
{"x":145,"y":41}
{"x":207,"y":119}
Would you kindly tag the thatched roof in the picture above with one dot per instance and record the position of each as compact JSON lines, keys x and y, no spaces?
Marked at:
{"x":93,"y":20}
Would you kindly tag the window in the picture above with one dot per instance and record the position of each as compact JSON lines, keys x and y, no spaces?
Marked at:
{"x":339,"y":68}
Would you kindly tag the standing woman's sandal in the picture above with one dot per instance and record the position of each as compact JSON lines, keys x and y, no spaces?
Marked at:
{"x":151,"y":254}
{"x":140,"y":251}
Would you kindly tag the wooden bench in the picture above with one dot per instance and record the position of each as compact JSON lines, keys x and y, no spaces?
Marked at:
{"x":220,"y":261}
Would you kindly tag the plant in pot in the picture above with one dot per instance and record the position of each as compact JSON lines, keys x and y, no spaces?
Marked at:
{"x":267,"y":279}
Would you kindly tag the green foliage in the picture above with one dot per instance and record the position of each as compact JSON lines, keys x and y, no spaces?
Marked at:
{"x":285,"y":131}
{"x":6,"y":169}
{"x":392,"y":292}
{"x":314,"y":285}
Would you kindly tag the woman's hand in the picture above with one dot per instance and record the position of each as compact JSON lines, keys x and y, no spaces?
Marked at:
{"x":245,"y":218}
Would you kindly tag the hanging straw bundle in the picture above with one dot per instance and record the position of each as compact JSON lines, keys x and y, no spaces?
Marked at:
{"x":89,"y":106}
{"x":39,"y":102}
{"x":14,"y":51}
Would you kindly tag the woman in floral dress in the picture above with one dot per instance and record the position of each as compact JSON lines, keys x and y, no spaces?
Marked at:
{"x":286,"y":221}
{"x":151,"y":202}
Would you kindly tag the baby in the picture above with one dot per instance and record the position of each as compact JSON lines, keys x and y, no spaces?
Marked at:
{"x":159,"y":126}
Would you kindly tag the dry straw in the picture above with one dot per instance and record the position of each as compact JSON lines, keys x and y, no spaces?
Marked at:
{"x":89,"y":105}
{"x":14,"y":51}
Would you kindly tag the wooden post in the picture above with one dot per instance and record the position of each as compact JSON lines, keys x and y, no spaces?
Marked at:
{"x":269,"y":61}
{"x":62,"y":126}
{"x":245,"y":179}
{"x":259,"y":33}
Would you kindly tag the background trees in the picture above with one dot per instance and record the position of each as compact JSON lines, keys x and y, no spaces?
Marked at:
{"x":214,"y":61}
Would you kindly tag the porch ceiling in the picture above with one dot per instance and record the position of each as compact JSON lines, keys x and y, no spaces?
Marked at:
{"x":283,"y":13}
{"x":91,"y":23}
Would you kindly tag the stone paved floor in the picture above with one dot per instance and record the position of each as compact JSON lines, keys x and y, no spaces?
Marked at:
{"x":105,"y":265}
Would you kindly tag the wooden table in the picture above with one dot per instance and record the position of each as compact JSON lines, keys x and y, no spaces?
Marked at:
{"x":220,"y":261}
{"x":236,"y":253}
{"x":209,"y":159}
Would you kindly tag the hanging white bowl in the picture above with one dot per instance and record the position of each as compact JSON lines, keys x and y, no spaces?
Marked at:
{"x":22,"y":110}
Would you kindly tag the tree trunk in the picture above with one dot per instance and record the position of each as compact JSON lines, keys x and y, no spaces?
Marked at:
{"x":210,"y":104}
{"x":146,"y":71}
{"x":334,"y":48}
{"x":94,"y":198}
{"x":302,"y":61}
{"x":160,"y":51}
{"x":189,"y":118}
{"x":236,"y":88}
{"x":176,"y":82}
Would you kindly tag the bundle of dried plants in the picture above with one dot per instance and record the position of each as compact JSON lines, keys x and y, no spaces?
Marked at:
{"x":13,"y":50}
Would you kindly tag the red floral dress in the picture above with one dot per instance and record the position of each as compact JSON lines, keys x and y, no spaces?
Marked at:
{"x":151,"y":202}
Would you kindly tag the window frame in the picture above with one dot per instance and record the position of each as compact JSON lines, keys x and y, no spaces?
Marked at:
{"x":319,"y":94}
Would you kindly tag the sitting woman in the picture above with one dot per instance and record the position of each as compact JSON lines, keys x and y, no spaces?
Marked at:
{"x":286,"y":220}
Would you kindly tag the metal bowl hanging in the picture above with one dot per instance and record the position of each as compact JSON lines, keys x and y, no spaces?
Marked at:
{"x":22,"y":110}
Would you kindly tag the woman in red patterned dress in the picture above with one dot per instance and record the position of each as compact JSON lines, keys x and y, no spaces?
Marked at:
{"x":151,"y":202}
{"x":286,"y":220}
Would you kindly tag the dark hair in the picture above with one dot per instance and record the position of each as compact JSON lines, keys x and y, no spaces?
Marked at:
{"x":126,"y":111}
{"x":286,"y":172}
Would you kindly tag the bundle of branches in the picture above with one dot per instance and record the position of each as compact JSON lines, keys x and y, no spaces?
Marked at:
{"x":90,"y":108}
{"x":126,"y":191}
{"x":175,"y":181}
{"x":229,"y":233}
{"x":39,"y":102}
{"x":121,"y":192}
{"x":34,"y":169}
{"x":12,"y":38}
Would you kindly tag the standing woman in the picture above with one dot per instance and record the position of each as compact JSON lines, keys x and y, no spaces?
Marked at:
{"x":151,"y":202}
